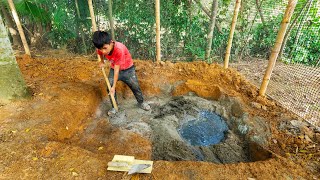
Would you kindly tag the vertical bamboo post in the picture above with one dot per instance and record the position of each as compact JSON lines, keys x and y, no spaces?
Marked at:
{"x":94,"y":28}
{"x":94,"y":25}
{"x":111,"y":19}
{"x":158,"y":46}
{"x":276,"y":48}
{"x":22,"y":35}
{"x":233,"y":26}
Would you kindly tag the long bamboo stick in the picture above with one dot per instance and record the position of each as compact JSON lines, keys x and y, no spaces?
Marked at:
{"x":233,"y":26}
{"x":94,"y":25}
{"x":22,"y":35}
{"x":158,"y":46}
{"x":276,"y":48}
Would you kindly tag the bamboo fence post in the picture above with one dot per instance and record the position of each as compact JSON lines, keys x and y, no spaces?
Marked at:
{"x":94,"y":25}
{"x":233,"y":26}
{"x":276,"y":48}
{"x":158,"y":46}
{"x":94,"y":28}
{"x":22,"y":35}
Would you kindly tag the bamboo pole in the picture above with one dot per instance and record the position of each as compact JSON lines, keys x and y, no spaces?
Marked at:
{"x":233,"y":26}
{"x":276,"y":48}
{"x":94,"y":28}
{"x":22,"y":35}
{"x":94,"y":25}
{"x":158,"y":46}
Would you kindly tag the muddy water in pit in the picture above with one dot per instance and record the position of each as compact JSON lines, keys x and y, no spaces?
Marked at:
{"x":193,"y":128}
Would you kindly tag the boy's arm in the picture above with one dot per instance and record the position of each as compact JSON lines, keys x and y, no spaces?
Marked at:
{"x":115,"y":79}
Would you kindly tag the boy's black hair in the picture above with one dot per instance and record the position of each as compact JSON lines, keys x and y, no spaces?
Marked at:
{"x":100,"y":38}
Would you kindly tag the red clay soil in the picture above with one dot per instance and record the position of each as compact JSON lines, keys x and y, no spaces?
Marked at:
{"x":56,"y":134}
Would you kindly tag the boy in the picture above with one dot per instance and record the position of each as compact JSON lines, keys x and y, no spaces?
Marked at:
{"x":121,"y":67}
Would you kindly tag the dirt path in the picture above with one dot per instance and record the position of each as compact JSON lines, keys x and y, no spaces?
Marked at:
{"x":63,"y":130}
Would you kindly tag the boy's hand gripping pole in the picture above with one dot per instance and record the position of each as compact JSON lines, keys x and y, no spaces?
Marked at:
{"x":114,"y":103}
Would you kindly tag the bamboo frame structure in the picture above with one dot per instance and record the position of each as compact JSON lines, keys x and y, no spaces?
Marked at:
{"x":233,"y":26}
{"x":94,"y":28}
{"x":158,"y":45}
{"x":22,"y":35}
{"x":276,"y":48}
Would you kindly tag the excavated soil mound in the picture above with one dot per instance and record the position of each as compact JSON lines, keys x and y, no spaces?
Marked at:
{"x":63,"y":131}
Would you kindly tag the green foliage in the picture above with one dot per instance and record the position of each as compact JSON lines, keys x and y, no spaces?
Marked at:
{"x":307,"y":51}
{"x":135,"y":26}
{"x":184,"y":27}
{"x":33,"y":11}
{"x":264,"y":36}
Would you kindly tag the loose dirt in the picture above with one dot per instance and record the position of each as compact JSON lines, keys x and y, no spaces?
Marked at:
{"x":63,"y":131}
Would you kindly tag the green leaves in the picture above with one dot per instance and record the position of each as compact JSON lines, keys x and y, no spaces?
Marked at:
{"x":32,"y":10}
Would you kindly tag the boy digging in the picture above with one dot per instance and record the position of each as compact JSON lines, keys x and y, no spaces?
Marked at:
{"x":121,"y":67}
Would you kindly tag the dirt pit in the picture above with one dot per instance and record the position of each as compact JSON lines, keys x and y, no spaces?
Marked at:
{"x":195,"y":129}
{"x":63,"y":131}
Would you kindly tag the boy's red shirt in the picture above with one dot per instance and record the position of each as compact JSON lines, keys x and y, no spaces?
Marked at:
{"x":120,"y":56}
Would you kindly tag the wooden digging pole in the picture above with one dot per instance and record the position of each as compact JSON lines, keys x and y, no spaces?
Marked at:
{"x":276,"y":48}
{"x":94,"y":28}
{"x":233,"y":26}
{"x":22,"y":35}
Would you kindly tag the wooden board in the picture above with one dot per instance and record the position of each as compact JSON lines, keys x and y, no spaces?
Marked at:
{"x":131,"y":161}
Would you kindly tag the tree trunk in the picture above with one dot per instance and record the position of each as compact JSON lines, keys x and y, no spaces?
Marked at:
{"x":12,"y":85}
{"x":260,"y":12}
{"x":158,"y":45}
{"x":81,"y":27}
{"x":233,"y":26}
{"x":211,"y":29}
{"x":10,"y":24}
{"x":290,"y":29}
{"x":250,"y":28}
{"x":16,"y":18}
{"x":205,"y":10}
{"x":111,"y":19}
{"x":275,"y":51}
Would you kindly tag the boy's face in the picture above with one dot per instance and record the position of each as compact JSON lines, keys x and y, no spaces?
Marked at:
{"x":106,"y":48}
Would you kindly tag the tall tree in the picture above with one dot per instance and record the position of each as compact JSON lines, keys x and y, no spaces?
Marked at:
{"x":12,"y":85}
{"x":214,"y":11}
{"x":158,"y":45}
{"x":111,"y":19}
{"x":22,"y":36}
{"x":81,"y":26}
{"x":258,"y":4}
{"x":206,"y":11}
{"x":10,"y":25}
